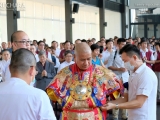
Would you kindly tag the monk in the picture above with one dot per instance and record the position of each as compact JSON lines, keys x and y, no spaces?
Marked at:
{"x":81,"y":88}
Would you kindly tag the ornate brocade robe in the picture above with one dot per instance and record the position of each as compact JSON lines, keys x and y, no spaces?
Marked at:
{"x":81,"y":94}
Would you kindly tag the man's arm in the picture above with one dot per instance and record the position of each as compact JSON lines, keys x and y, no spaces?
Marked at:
{"x":151,"y":61}
{"x":134,"y":104}
{"x":157,"y":61}
{"x":137,"y":103}
{"x":120,"y":99}
{"x":117,"y":69}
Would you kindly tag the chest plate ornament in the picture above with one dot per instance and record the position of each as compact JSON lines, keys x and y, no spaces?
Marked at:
{"x":80,"y":90}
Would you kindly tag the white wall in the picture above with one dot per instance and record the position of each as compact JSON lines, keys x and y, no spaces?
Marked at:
{"x":44,"y":20}
{"x":114,"y":26}
{"x":86,"y":25}
{"x":3,"y":24}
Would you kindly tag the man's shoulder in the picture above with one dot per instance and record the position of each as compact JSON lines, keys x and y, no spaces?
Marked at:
{"x":147,"y":73}
{"x":35,"y":92}
{"x":101,"y":72}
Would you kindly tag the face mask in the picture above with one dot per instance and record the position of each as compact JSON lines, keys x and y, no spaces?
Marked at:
{"x":128,"y":66}
{"x":32,"y":82}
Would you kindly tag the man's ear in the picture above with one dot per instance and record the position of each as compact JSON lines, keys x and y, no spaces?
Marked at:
{"x":13,"y":44}
{"x":32,"y":71}
{"x":135,"y":57}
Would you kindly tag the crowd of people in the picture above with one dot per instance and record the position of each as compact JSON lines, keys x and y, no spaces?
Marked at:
{"x":130,"y":67}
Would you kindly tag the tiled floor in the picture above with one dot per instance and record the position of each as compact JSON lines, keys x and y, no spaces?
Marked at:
{"x":158,"y":114}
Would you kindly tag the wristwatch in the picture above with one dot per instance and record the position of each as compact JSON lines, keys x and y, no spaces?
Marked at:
{"x":117,"y":106}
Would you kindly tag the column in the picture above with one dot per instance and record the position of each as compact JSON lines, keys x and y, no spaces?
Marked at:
{"x":102,"y":23}
{"x":11,"y":18}
{"x":68,"y":17}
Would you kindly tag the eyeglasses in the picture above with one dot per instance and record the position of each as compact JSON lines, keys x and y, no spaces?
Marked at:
{"x":41,"y":44}
{"x":69,"y":56}
{"x":24,"y":41}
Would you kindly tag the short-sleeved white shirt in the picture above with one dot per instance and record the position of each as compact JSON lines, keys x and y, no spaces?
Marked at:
{"x":143,"y":82}
{"x":57,"y":52}
{"x":19,"y":101}
{"x":105,"y":56}
{"x":118,"y":63}
{"x":64,"y":64}
{"x":5,"y":67}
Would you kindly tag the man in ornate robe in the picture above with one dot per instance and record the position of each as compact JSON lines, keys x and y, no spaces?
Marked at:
{"x":81,"y":88}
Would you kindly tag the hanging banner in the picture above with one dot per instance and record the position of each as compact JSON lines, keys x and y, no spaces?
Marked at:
{"x":133,"y":4}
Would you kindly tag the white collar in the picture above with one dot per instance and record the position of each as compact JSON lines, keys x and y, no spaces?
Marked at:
{"x":144,"y":51}
{"x":141,"y":68}
{"x":18,"y":80}
{"x":7,"y":60}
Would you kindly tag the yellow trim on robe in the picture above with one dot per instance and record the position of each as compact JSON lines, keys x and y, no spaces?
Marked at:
{"x":52,"y":95}
{"x":116,"y":94}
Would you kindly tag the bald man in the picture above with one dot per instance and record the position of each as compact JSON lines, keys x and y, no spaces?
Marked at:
{"x":19,"y":39}
{"x":81,"y":88}
{"x":19,"y":101}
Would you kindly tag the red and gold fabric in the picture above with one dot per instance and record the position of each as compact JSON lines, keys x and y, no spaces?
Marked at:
{"x":82,"y":93}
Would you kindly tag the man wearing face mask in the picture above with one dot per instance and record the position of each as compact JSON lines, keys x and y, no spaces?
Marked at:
{"x":19,"y":100}
{"x":116,"y":64}
{"x":141,"y":97}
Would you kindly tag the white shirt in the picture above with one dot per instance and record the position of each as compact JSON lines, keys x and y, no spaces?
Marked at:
{"x":23,"y":102}
{"x":57,"y":52}
{"x":57,"y":62}
{"x":144,"y":54}
{"x":6,"y":75}
{"x":105,"y":56}
{"x":64,"y":64}
{"x":49,"y":56}
{"x":118,"y":63}
{"x":3,"y":65}
{"x":143,"y":82}
{"x":37,"y":57}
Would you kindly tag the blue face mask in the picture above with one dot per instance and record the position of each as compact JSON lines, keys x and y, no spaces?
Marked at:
{"x":128,"y":66}
{"x":33,"y":82}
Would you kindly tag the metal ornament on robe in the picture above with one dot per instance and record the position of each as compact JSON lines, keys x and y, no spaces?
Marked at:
{"x":80,"y":90}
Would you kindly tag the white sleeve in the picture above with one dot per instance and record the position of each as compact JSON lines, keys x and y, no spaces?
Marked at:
{"x":60,"y":67}
{"x":145,"y":85}
{"x":152,"y":57}
{"x":45,"y":111}
{"x":111,"y":59}
{"x":155,"y":55}
{"x":6,"y":75}
{"x":49,"y":56}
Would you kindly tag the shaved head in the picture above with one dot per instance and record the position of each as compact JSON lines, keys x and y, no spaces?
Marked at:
{"x":83,"y":56}
{"x":21,"y":61}
{"x":17,"y":39}
{"x":82,"y":48}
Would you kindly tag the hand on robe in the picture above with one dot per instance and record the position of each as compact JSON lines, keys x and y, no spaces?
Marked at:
{"x":108,"y":106}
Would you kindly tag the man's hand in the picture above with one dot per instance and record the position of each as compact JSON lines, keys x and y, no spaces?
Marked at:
{"x":108,"y":106}
{"x":122,"y":69}
{"x":45,"y":73}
